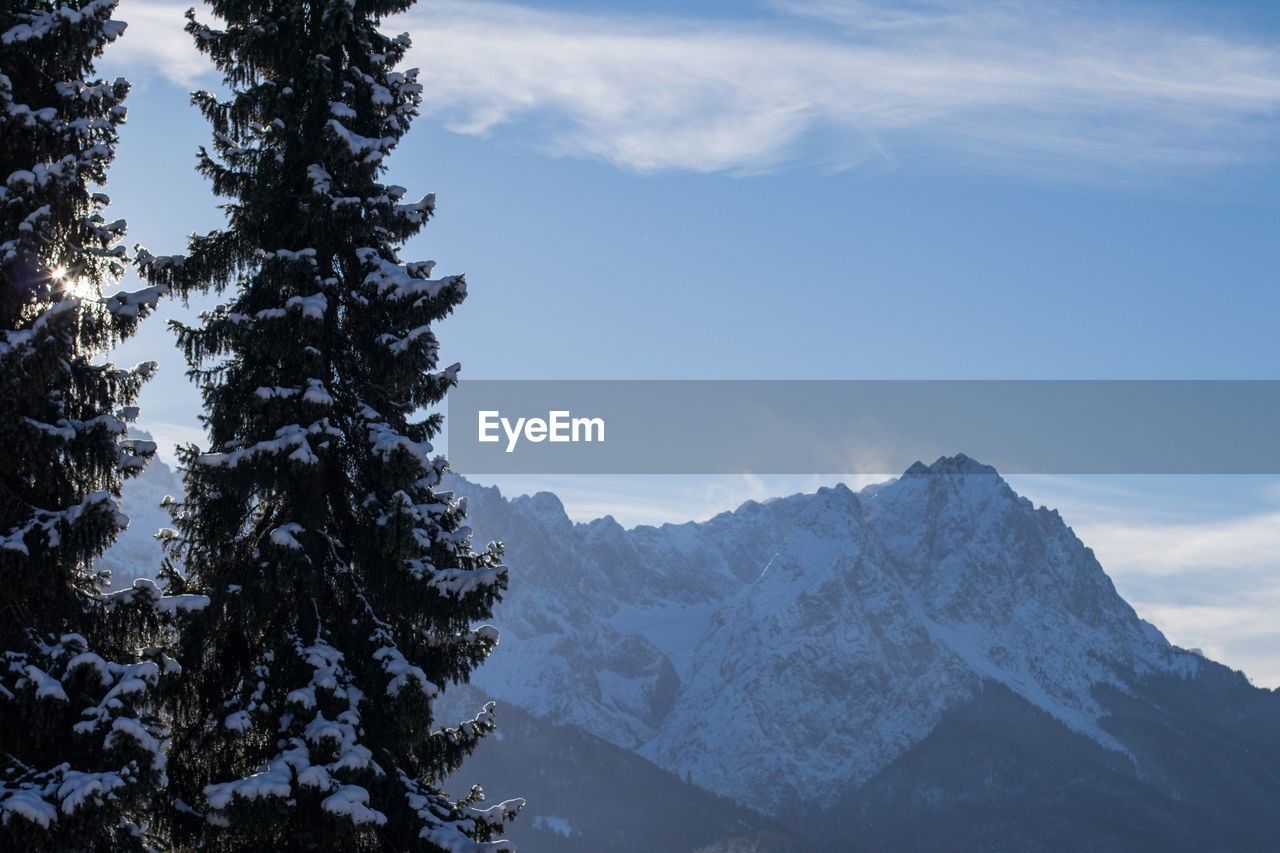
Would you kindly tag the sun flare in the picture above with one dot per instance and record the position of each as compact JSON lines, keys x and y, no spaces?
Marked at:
{"x":72,"y":286}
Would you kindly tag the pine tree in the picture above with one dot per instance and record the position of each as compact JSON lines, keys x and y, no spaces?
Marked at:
{"x":80,"y":764}
{"x":345,"y":593}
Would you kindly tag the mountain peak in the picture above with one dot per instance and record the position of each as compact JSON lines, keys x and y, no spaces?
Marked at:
{"x":958,"y":465}
{"x":547,"y":503}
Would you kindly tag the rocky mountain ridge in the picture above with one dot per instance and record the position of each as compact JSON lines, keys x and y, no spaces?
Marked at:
{"x":828,"y":631}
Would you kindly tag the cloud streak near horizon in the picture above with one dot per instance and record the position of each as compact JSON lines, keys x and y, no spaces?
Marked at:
{"x":1210,"y":584}
{"x":1007,"y":85}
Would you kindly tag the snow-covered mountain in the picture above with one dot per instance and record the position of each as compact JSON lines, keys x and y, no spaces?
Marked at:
{"x":839,"y":653}
{"x":829,"y":631}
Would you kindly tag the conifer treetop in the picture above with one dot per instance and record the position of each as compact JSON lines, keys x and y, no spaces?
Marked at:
{"x":345,"y":595}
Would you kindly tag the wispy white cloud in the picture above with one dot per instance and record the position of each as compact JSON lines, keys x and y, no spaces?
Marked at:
{"x":1017,"y":85}
{"x":154,"y":42}
{"x":1024,"y":83}
{"x":1213,"y":585}
{"x":1244,"y":636}
{"x":1251,"y":543}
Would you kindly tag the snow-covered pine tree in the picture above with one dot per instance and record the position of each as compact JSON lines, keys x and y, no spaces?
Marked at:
{"x":80,"y":766}
{"x":345,"y":593}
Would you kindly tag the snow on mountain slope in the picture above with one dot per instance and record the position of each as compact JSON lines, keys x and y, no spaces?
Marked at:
{"x":793,"y":645}
{"x":136,"y":552}
{"x":811,"y":640}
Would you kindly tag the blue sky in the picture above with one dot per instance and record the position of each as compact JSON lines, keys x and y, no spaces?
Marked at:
{"x":832,"y":189}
